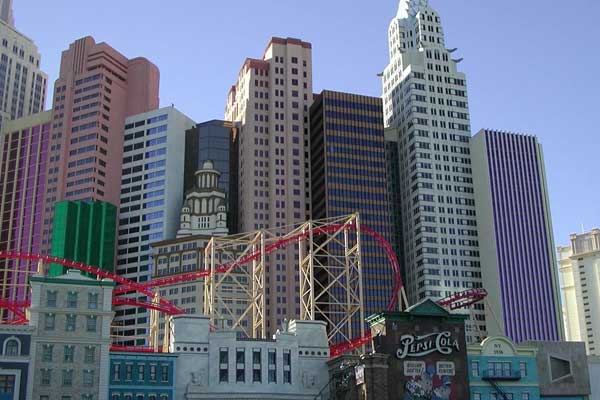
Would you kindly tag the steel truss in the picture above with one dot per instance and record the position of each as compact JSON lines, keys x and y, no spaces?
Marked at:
{"x":234,"y":298}
{"x":331,"y":280}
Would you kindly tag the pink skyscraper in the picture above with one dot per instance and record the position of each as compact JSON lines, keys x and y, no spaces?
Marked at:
{"x":96,"y":90}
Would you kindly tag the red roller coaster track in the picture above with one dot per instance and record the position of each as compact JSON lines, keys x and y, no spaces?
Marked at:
{"x":458,"y":301}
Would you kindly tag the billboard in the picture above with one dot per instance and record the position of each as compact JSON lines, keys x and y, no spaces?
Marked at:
{"x":427,"y":353}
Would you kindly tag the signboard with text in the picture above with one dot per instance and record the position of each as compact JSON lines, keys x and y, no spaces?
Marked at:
{"x":428,"y":357}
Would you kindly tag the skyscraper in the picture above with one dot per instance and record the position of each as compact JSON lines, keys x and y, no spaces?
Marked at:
{"x":348,"y":174}
{"x":270,"y":104}
{"x":85,"y":232}
{"x":22,"y":83}
{"x":518,"y":262}
{"x":96,"y":90}
{"x":425,"y":100}
{"x":151,"y":198}
{"x":216,"y":141}
{"x":580,"y":270}
{"x":23,"y":157}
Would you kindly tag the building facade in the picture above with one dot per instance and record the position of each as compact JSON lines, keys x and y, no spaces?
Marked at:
{"x":425,"y":352}
{"x":151,"y":200}
{"x":84,"y":232}
{"x":22,"y":82}
{"x":137,"y":376}
{"x":23,"y":158}
{"x":203,"y":216}
{"x":348,"y":175}
{"x":425,"y":100}
{"x":579,"y":266}
{"x":498,"y":366}
{"x":216,"y":141}
{"x":217,"y":365}
{"x":269,"y":103}
{"x":96,"y":90}
{"x":15,"y":361}
{"x":515,"y":234}
{"x":562,"y":369}
{"x":71,"y":316}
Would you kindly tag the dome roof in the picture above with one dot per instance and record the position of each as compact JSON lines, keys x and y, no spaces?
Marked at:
{"x":208,"y":164}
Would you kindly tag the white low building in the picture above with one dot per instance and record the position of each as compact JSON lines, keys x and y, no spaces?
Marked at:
{"x":218,"y":365}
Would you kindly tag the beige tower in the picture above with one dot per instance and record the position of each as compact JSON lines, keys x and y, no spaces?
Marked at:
{"x":270,"y":103}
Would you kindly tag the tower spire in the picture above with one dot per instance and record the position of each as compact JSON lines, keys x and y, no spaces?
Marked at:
{"x":6,"y":12}
{"x":409,"y":8}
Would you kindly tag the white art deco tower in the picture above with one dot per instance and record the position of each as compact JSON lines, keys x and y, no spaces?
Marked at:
{"x":425,"y":104}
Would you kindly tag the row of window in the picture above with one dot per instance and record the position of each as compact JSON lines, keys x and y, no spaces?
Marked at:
{"x":128,"y":372}
{"x":71,"y":323}
{"x":71,"y":301}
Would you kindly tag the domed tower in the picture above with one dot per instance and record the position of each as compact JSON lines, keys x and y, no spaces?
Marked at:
{"x":204,"y":210}
{"x":208,"y":176}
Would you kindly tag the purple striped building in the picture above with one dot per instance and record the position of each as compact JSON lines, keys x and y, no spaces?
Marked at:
{"x":515,"y":232}
{"x":23,"y":157}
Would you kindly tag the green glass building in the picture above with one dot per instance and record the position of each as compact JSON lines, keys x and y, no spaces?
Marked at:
{"x":84,"y":232}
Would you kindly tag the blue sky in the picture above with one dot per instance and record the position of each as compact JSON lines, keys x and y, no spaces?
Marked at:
{"x":532,"y":66}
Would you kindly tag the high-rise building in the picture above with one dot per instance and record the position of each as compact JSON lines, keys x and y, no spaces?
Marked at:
{"x":96,"y":90}
{"x":270,"y":104}
{"x":151,"y":198}
{"x":84,"y":232}
{"x":22,"y":82}
{"x":348,"y":174}
{"x":425,"y":100}
{"x":518,"y":262}
{"x":579,"y":266}
{"x":23,"y":157}
{"x":215,"y":141}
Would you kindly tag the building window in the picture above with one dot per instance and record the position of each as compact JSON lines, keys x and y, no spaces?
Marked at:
{"x":287,"y":366}
{"x":88,"y":378}
{"x":128,"y":372}
{"x":69,"y":354}
{"x":476,"y":396}
{"x":164,"y":373}
{"x":91,"y":323}
{"x":153,"y":373}
{"x":51,"y":299}
{"x":223,"y":365}
{"x":116,"y":372}
{"x":256,"y":365}
{"x":240,"y":365}
{"x":67,"y":377}
{"x":272,"y":365}
{"x":72,"y":300}
{"x":141,"y":372}
{"x":49,"y":322}
{"x":523,"y":369}
{"x":46,"y":378}
{"x":47,"y":350}
{"x":475,"y":368}
{"x":71,"y":323}
{"x":11,"y":348}
{"x":525,"y":396}
{"x":90,"y":355}
{"x":92,"y":301}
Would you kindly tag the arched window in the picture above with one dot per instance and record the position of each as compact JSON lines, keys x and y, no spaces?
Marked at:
{"x":12,"y":347}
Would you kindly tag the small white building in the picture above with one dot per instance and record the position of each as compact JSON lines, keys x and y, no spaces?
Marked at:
{"x":218,"y":365}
